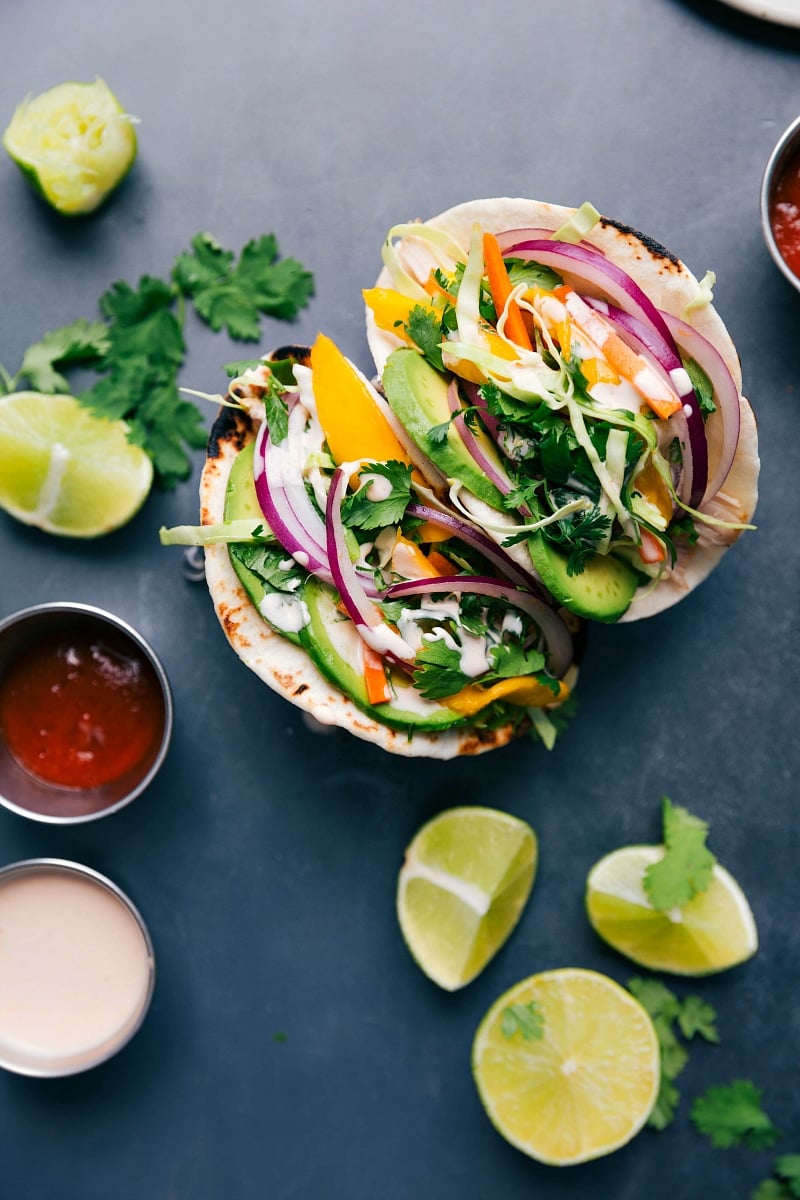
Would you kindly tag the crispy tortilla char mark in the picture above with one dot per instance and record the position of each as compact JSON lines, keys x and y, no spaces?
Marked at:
{"x":232,"y":427}
{"x":670,"y":261}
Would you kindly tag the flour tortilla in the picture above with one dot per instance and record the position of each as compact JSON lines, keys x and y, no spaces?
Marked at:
{"x":285,"y":667}
{"x":670,"y":285}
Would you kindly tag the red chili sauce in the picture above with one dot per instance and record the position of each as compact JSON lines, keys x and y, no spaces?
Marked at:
{"x":80,"y":708}
{"x":784,"y":215}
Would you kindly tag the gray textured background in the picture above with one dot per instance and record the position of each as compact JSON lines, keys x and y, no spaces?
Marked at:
{"x":264,"y":858}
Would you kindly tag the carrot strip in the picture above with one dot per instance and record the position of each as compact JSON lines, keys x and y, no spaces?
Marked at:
{"x":618,"y":354}
{"x":500,"y":287}
{"x":651,"y":550}
{"x":378,"y":691}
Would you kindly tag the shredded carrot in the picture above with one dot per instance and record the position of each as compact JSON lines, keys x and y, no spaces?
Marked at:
{"x":378,"y":691}
{"x":500,"y":287}
{"x":618,"y":354}
{"x":651,"y":550}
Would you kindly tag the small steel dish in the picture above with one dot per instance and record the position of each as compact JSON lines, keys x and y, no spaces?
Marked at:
{"x":787,"y":145}
{"x":65,"y":968}
{"x":30,"y":797}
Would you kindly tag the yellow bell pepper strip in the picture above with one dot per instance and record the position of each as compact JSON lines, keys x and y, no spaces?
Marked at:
{"x":353,"y":425}
{"x":391,"y":309}
{"x":661,"y":398}
{"x":526,"y":691}
{"x":500,"y":287}
{"x":409,"y":562}
{"x":375,"y":681}
{"x":649,"y":484}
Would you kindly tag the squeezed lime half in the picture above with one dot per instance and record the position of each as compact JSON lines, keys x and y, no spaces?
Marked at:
{"x":74,"y":143}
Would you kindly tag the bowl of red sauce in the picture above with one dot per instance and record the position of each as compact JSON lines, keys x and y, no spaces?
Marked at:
{"x":780,"y":203}
{"x":85,"y":713}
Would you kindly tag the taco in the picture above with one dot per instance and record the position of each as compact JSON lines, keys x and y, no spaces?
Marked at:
{"x":345,"y":578}
{"x":574,"y":381}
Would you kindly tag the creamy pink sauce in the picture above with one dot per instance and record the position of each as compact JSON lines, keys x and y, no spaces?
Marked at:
{"x":74,"y":971}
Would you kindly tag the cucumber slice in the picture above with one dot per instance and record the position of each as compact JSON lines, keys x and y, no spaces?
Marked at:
{"x":74,"y":143}
{"x":601,"y":592}
{"x":332,"y":643}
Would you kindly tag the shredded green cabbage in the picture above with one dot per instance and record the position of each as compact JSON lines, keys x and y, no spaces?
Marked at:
{"x":705,"y":294}
{"x":244,"y":530}
{"x":580,"y":223}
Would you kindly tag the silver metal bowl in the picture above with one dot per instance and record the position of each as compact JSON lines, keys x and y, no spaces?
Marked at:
{"x":31,"y":797}
{"x":76,"y":985}
{"x":787,"y":145}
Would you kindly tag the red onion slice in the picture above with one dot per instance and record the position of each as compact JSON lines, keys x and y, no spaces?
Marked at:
{"x":367,"y":619}
{"x":492,"y":471}
{"x":484,"y":545}
{"x":592,"y":266}
{"x":689,"y":421}
{"x":296,"y":540}
{"x":555,"y":633}
{"x":726,"y":395}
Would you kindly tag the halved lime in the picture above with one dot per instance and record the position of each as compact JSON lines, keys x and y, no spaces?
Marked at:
{"x":714,"y":931}
{"x":75,"y":143}
{"x":66,"y":470}
{"x":567,"y":1066}
{"x":464,"y":883}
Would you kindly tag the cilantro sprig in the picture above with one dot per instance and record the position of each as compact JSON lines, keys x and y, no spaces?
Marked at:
{"x":785,"y":1181}
{"x":138,"y":348}
{"x":693,"y":1017}
{"x":687,"y":865}
{"x":527,"y":1020}
{"x":731,"y":1114}
{"x":361,"y":510}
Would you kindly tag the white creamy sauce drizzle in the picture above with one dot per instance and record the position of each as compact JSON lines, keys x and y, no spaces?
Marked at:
{"x":287,"y":613}
{"x":680,"y":380}
{"x":378,"y":487}
{"x":616,"y":395}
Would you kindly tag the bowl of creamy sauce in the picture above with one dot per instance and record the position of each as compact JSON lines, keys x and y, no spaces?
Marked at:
{"x":77,"y":968}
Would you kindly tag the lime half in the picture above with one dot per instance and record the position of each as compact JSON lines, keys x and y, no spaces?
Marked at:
{"x":74,"y":143}
{"x":66,"y":470}
{"x":466,"y":878}
{"x":567,"y":1066}
{"x":714,"y":931}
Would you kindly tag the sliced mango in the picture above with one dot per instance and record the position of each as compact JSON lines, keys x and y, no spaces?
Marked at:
{"x":353,"y":424}
{"x":391,"y":309}
{"x":524,"y":690}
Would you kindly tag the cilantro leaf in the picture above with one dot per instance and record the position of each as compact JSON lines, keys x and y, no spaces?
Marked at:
{"x":425,"y":329}
{"x":686,"y":868}
{"x":362,"y":512}
{"x":79,"y":342}
{"x":773,"y":1189}
{"x":692,"y":1016}
{"x":276,"y":410}
{"x":702,"y":385}
{"x":698,"y":1017}
{"x":510,"y":659}
{"x":240,"y":365}
{"x":232,"y":296}
{"x":525,"y":1019}
{"x":787,"y":1168}
{"x":731,"y":1115}
{"x":266,"y":562}
{"x":437,"y":670}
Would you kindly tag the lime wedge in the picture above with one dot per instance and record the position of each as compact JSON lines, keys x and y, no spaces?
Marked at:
{"x":714,"y":931}
{"x":567,"y":1066}
{"x":66,"y":470}
{"x":464,"y":883}
{"x":74,"y":143}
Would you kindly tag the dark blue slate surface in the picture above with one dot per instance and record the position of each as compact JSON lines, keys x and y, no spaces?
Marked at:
{"x":293,"y":1050}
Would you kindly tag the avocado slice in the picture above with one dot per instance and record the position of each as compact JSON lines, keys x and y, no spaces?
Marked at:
{"x":241,"y":503}
{"x":417,"y":395}
{"x":331,"y":642}
{"x":601,"y":592}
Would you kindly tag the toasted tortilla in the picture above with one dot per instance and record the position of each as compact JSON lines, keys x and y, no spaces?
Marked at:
{"x":670,"y":285}
{"x":285,"y":667}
